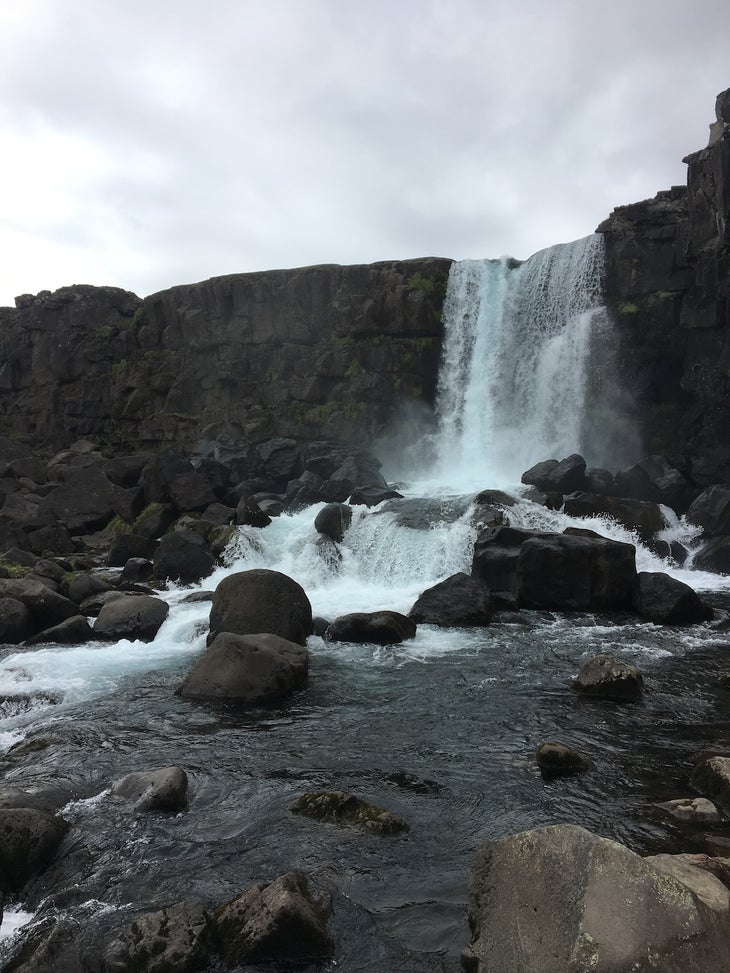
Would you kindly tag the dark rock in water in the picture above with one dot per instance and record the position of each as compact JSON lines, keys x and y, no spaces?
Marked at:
{"x":177,"y":939}
{"x":259,"y":668}
{"x":249,"y":513}
{"x":131,"y":617}
{"x":320,"y":625}
{"x":340,"y":807}
{"x":183,"y":556}
{"x":608,"y":677}
{"x":568,"y":573}
{"x":379,"y":628}
{"x":458,"y":601}
{"x":711,"y":777}
{"x":622,"y":913}
{"x":282,"y":920}
{"x":333,"y":520}
{"x":639,"y":515}
{"x":356,"y":472}
{"x":557,"y":760}
{"x":72,"y":631}
{"x":13,"y":704}
{"x":83,"y":585}
{"x":165,"y":789}
{"x":496,"y":556}
{"x":600,"y":481}
{"x":137,"y":570}
{"x":565,"y":476}
{"x":655,"y":479}
{"x":711,"y":511}
{"x":304,"y":491}
{"x":197,"y":596}
{"x":261,"y":601}
{"x":16,"y":622}
{"x":714,"y":556}
{"x":29,"y":839}
{"x":662,"y":599}
{"x":46,"y":606}
{"x":494,"y":497}
{"x":372,"y":496}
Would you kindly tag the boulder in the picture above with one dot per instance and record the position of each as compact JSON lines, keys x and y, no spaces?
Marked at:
{"x":496,"y":556}
{"x":333,"y":520}
{"x":600,"y":481}
{"x":557,"y":760}
{"x":282,"y":920}
{"x":693,"y":810}
{"x":342,"y":808}
{"x":29,"y":839}
{"x":459,"y":601}
{"x":154,"y":790}
{"x":72,"y":631}
{"x":561,"y":477}
{"x":184,"y":556}
{"x":46,"y":606}
{"x":154,"y":520}
{"x":692,"y":871}
{"x":303,"y":492}
{"x":569,"y":573}
{"x":664,"y":600}
{"x":711,"y":777}
{"x":354,"y":473}
{"x":608,"y":677}
{"x":137,"y":570}
{"x":645,"y":518}
{"x":711,"y":511}
{"x":372,"y":496}
{"x":655,"y":479}
{"x":249,"y":513}
{"x":131,"y":617}
{"x":177,"y":939}
{"x":85,"y":502}
{"x":173,"y":478}
{"x":51,"y":539}
{"x":261,"y":601}
{"x":714,"y":556}
{"x":127,"y":544}
{"x":83,"y":585}
{"x":259,"y":668}
{"x":562,"y":900}
{"x":378,"y":628}
{"x":16,"y":621}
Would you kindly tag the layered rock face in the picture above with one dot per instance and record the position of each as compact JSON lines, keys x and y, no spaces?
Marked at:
{"x":668,"y":284}
{"x":327,"y":350}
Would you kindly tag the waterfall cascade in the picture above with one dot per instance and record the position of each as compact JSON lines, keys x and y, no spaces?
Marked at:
{"x":527,"y":371}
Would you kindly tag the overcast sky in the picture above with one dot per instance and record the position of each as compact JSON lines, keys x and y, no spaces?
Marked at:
{"x":148,"y":143}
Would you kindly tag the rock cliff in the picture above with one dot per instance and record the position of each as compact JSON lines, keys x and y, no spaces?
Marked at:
{"x":668,"y":285}
{"x":320,"y":351}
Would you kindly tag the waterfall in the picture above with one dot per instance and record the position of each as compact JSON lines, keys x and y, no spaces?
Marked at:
{"x":527,"y":371}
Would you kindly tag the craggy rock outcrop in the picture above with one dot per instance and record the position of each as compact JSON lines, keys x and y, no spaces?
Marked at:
{"x":562,"y":900}
{"x":179,"y":937}
{"x":328,"y":349}
{"x":668,"y":284}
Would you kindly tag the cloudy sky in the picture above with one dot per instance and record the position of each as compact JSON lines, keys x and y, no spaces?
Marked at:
{"x":147,"y":143}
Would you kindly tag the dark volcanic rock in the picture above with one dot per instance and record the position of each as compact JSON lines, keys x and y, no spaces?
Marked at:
{"x":131,"y":617}
{"x":282,"y":920}
{"x":640,"y":515}
{"x":85,"y":502}
{"x":662,"y":599}
{"x":380,"y":628}
{"x":72,"y":631}
{"x":607,"y":677}
{"x":184,"y":556}
{"x":177,"y":939}
{"x":333,"y":520}
{"x":261,"y":601}
{"x":46,"y":606}
{"x":496,"y":556}
{"x":565,"y":476}
{"x":259,"y":668}
{"x":340,"y":807}
{"x":458,"y":601}
{"x":655,"y":479}
{"x":29,"y":839}
{"x":557,"y":760}
{"x":714,"y":556}
{"x":16,"y":622}
{"x":711,"y":511}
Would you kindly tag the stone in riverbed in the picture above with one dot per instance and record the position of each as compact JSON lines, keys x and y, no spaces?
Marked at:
{"x":131,"y":617}
{"x":458,"y":601}
{"x":378,"y":628}
{"x":29,"y":839}
{"x":711,"y":777}
{"x":557,"y":760}
{"x":72,"y":631}
{"x":608,"y":677}
{"x":250,"y":602}
{"x":333,"y":520}
{"x":176,"y":939}
{"x":16,"y":623}
{"x":250,"y":669}
{"x":282,"y":920}
{"x":184,"y":556}
{"x":662,"y":599}
{"x":154,"y":790}
{"x":693,"y":810}
{"x":343,"y":808}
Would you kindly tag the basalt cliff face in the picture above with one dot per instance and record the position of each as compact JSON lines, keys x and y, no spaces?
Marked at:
{"x":320,"y":351}
{"x":668,"y":285}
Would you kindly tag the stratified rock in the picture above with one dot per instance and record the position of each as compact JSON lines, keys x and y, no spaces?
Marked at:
{"x":282,"y":920}
{"x":711,"y":777}
{"x":562,"y":900}
{"x":261,"y":601}
{"x":131,"y":617}
{"x":29,"y":839}
{"x":340,"y":807}
{"x":459,"y":601}
{"x":608,"y":677}
{"x":333,"y":520}
{"x":154,"y":790}
{"x":379,"y":628}
{"x":555,"y":759}
{"x":664,"y":600}
{"x":177,"y":939}
{"x":184,"y":556}
{"x":250,"y":669}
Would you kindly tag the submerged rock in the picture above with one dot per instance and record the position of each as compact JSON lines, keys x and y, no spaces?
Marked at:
{"x":343,"y":808}
{"x":608,"y":677}
{"x":557,"y":760}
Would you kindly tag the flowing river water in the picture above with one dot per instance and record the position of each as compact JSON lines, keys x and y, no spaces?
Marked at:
{"x":441,"y":729}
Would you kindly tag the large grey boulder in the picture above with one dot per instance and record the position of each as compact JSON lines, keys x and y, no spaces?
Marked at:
{"x":664,"y":600}
{"x":131,"y":617}
{"x":258,"y":668}
{"x":260,"y":600}
{"x":562,"y":900}
{"x":278,"y":921}
{"x":164,"y":789}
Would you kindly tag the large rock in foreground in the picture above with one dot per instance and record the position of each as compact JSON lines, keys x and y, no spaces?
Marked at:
{"x":458,"y":601}
{"x":179,"y":937}
{"x":261,"y":601}
{"x":662,"y":599}
{"x":29,"y":839}
{"x":562,"y":900}
{"x":249,"y":668}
